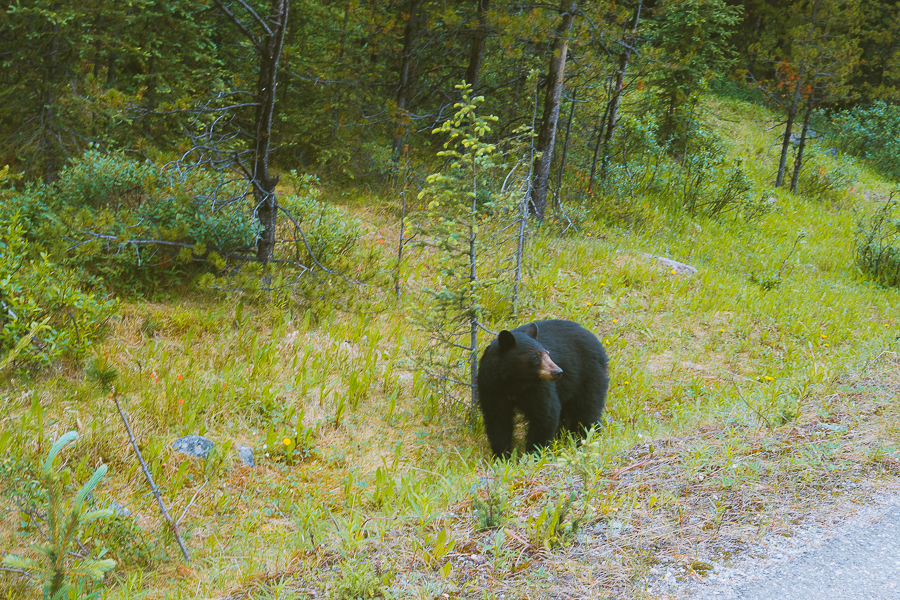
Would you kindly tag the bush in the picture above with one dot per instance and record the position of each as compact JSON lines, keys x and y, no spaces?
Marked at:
{"x":330,"y":233}
{"x":878,"y":246}
{"x":33,"y":289}
{"x":823,"y":180}
{"x":120,"y":219}
{"x":871,"y":132}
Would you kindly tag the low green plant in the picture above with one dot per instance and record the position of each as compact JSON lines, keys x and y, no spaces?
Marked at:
{"x":492,"y":510}
{"x":877,"y":251}
{"x":556,"y":524}
{"x":360,"y":580}
{"x":328,"y":231}
{"x":871,"y":132}
{"x":64,"y":523}
{"x":32,"y":289}
{"x":823,"y":180}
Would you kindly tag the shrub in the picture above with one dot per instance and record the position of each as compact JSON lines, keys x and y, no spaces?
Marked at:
{"x":32,"y":289}
{"x":330,"y":233}
{"x":115,"y":217}
{"x":823,"y":180}
{"x":878,"y":246}
{"x":871,"y":132}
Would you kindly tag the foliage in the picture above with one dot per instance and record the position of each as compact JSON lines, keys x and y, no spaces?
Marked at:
{"x":878,"y":246}
{"x":328,"y":233}
{"x":871,"y":132}
{"x":360,"y":580}
{"x":823,"y":179}
{"x":120,"y":219}
{"x":57,"y":572}
{"x":461,"y":203}
{"x":691,"y":39}
{"x":33,"y":289}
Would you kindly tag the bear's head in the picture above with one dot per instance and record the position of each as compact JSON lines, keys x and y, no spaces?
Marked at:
{"x":529,"y":358}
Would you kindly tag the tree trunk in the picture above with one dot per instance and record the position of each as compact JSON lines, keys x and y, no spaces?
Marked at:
{"x":263,"y":183}
{"x":795,"y":100}
{"x":404,"y":85}
{"x":48,"y":131}
{"x":565,"y":148}
{"x":616,"y":97}
{"x":786,"y":139}
{"x":478,"y":39}
{"x":798,"y":162}
{"x":547,"y":135}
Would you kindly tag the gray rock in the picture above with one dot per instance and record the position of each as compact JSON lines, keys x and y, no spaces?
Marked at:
{"x":195,"y":445}
{"x":832,"y":152}
{"x":245,"y":453}
{"x":119,"y":509}
{"x":672,"y":265}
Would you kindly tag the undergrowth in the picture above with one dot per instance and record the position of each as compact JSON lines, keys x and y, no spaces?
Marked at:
{"x":741,"y":398}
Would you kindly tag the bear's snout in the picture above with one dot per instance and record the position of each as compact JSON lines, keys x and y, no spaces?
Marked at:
{"x":550,"y":371}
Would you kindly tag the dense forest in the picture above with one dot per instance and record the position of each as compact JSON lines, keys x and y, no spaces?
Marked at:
{"x":293,"y":226}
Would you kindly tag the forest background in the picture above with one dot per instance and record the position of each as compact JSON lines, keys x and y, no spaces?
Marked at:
{"x":295,"y":225}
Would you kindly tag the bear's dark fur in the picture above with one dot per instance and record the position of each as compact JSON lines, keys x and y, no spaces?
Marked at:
{"x":553,"y":372}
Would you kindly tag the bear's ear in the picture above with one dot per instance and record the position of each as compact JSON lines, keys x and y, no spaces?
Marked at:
{"x":532,"y":330}
{"x":507,"y":340}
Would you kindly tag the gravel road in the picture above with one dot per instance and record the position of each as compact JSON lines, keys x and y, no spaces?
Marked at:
{"x":856,"y":560}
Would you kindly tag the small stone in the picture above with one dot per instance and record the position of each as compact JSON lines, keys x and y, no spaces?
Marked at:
{"x":119,"y":509}
{"x":245,"y":453}
{"x":195,"y":445}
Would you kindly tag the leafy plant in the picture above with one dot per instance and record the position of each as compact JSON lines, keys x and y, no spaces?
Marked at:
{"x":878,"y":246}
{"x":328,"y":231}
{"x":64,"y":523}
{"x":871,"y":132}
{"x":823,"y":180}
{"x":360,"y":580}
{"x":33,"y":289}
{"x":555,"y":525}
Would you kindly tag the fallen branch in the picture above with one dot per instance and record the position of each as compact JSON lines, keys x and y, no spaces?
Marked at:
{"x":149,"y":477}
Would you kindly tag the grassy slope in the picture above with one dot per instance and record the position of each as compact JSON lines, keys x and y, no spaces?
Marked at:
{"x":733,"y":411}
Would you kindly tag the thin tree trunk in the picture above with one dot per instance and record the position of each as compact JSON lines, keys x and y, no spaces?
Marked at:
{"x":404,"y":85}
{"x":598,"y":131}
{"x":795,"y":102}
{"x":263,"y":183}
{"x":547,"y":135}
{"x":616,"y":98}
{"x":48,"y":129}
{"x":565,"y":148}
{"x":788,"y":126}
{"x":478,"y":39}
{"x":798,"y":161}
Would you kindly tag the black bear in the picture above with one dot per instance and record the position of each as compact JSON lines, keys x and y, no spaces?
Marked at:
{"x":553,"y":372}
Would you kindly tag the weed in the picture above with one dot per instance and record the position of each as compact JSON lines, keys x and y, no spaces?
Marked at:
{"x":64,"y":524}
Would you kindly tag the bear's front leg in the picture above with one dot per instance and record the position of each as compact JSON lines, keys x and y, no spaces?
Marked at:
{"x":498,"y":425}
{"x":543,"y":421}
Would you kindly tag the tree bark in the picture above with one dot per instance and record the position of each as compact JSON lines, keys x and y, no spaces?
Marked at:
{"x":798,"y":161}
{"x":478,"y":39}
{"x":565,"y":149}
{"x":269,"y":49}
{"x":616,"y":97}
{"x":263,"y":183}
{"x":404,"y":85}
{"x":795,"y":101}
{"x":788,"y":126}
{"x":547,"y":135}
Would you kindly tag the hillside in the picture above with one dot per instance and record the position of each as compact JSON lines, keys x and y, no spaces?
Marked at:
{"x":743,"y":396}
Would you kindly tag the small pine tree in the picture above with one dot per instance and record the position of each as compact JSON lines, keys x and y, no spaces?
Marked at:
{"x":63,"y":525}
{"x":461,"y":221}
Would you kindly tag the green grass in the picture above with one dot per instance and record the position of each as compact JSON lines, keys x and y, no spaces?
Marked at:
{"x":733,"y":411}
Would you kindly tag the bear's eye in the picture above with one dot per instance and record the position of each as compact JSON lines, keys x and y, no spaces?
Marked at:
{"x":537,"y":358}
